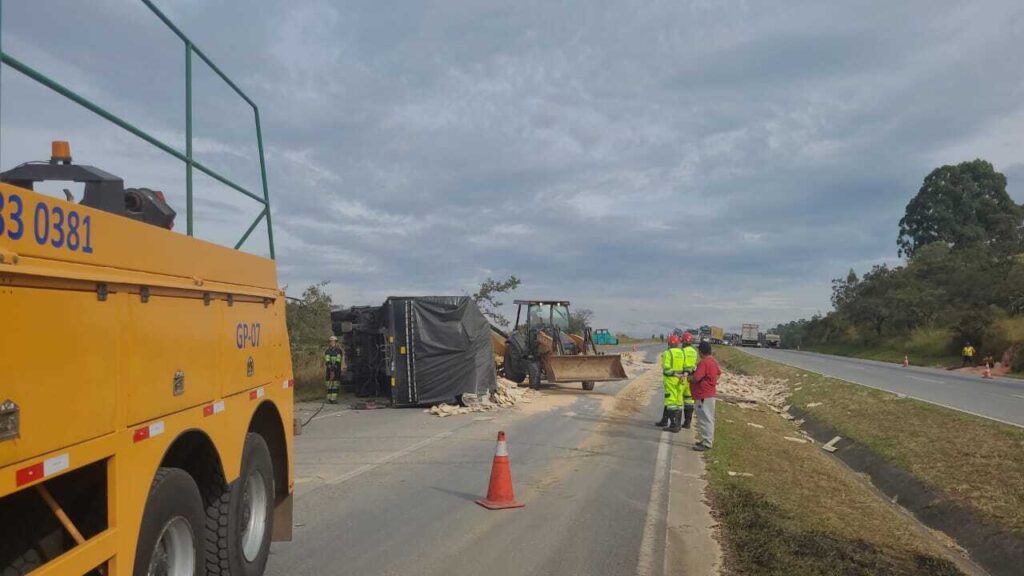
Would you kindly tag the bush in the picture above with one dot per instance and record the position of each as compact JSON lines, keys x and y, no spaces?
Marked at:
{"x":930,"y":342}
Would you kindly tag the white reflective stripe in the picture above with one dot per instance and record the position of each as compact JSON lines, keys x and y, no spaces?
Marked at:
{"x":259,"y":392}
{"x":218,"y":407}
{"x":284,"y":384}
{"x":502,"y":449}
{"x":56,"y":464}
{"x":156,"y":429}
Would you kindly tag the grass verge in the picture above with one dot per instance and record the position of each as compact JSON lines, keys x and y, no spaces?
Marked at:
{"x":888,"y":353}
{"x":973,"y":461}
{"x":803,"y":513}
{"x":308,"y":371}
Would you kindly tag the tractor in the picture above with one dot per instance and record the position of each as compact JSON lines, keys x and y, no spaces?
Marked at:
{"x":540,"y":347}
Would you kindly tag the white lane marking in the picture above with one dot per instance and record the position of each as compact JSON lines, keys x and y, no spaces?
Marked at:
{"x":648,"y":542}
{"x":394,"y":455}
{"x":929,"y":380}
{"x":1021,"y":396}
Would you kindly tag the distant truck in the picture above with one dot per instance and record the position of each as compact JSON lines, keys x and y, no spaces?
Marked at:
{"x":712,"y":334}
{"x":750,"y":335}
{"x":603,"y":336}
{"x":773,"y":340}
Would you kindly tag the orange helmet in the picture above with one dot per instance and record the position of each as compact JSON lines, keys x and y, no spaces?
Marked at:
{"x":673,"y":340}
{"x":687,"y":337}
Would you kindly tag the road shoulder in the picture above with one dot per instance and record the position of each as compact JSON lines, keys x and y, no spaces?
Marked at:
{"x":691,"y":543}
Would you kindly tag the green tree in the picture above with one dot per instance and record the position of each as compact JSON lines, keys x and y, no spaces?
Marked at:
{"x":486,"y":297}
{"x":579,"y":319}
{"x":962,"y":205}
{"x":309,"y":317}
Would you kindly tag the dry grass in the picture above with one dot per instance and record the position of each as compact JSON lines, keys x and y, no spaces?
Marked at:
{"x":308,"y":368}
{"x":976,"y":462}
{"x":802,"y":512}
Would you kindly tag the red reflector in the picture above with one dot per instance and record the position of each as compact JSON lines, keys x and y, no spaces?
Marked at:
{"x":141,"y":434}
{"x":252,"y":395}
{"x":30,"y":474}
{"x":208,"y":410}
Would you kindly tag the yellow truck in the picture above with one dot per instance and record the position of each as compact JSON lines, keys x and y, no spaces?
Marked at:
{"x":146,"y":394}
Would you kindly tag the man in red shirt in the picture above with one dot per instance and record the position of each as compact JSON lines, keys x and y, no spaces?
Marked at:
{"x":702,"y":386}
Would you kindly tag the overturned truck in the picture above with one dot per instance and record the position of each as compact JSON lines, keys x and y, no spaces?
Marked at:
{"x":416,"y":350}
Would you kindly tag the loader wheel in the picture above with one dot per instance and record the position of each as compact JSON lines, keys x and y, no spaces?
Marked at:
{"x":240,"y":522}
{"x":171,"y":538}
{"x":533,"y":368}
{"x":514,"y":368}
{"x":588,"y":385}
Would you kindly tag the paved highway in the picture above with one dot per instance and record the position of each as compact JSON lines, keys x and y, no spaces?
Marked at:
{"x":392,"y":491}
{"x":999,"y":398}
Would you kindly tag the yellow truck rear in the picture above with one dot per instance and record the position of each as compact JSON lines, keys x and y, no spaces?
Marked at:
{"x":146,"y":394}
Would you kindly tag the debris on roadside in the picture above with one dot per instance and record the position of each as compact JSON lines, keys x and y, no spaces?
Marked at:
{"x":506,"y":395}
{"x":797,"y":440}
{"x":814,"y":404}
{"x":754,"y":425}
{"x":748,"y":391}
{"x":745,"y":474}
{"x":830,"y":446}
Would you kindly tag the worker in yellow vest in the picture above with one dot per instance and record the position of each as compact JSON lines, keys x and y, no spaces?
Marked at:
{"x":671,"y":366}
{"x":332,"y":361}
{"x":968,"y":354}
{"x":690,"y":359}
{"x":676,"y":366}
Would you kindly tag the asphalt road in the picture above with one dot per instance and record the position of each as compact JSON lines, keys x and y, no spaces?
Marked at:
{"x":999,"y":398}
{"x":392,"y":491}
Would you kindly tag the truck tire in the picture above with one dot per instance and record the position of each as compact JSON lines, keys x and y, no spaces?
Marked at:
{"x":513,"y":367}
{"x":171,"y":535}
{"x":533,"y":370}
{"x":23,"y":564}
{"x":588,"y":385}
{"x":240,"y":522}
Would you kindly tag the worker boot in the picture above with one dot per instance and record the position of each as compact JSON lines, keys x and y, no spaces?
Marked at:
{"x":676,"y":419}
{"x":664,"y":418}
{"x":687,"y":415}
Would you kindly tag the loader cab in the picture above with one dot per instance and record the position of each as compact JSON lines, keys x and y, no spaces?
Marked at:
{"x":543,"y":314}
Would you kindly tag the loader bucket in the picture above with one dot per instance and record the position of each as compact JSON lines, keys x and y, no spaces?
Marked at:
{"x":584,"y":368}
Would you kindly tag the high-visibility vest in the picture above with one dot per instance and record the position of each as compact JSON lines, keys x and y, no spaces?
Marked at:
{"x":969,"y":351}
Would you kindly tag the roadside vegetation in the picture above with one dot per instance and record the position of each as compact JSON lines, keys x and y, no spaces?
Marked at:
{"x":974,"y":462}
{"x":800,"y":512}
{"x":962,"y":281}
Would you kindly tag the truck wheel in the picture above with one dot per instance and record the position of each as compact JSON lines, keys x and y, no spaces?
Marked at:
{"x":239,"y":523}
{"x":171,"y":537}
{"x":588,"y":385}
{"x":533,"y":368}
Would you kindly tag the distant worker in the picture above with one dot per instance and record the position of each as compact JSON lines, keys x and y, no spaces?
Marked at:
{"x":705,"y":383}
{"x":968,"y":355}
{"x":332,"y":360}
{"x":672,"y":361}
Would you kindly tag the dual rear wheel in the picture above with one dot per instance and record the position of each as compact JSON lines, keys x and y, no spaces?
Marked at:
{"x":228,"y":535}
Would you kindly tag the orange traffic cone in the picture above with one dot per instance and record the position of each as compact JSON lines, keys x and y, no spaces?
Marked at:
{"x":499,"y":492}
{"x":988,"y":372}
{"x":906,"y":361}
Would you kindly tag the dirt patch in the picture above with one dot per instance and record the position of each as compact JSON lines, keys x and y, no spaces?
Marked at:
{"x":1000,"y":551}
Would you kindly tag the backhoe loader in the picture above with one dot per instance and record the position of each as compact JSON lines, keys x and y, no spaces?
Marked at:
{"x":541,"y":348}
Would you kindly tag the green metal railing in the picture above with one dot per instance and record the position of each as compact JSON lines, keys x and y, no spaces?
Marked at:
{"x":190,"y":163}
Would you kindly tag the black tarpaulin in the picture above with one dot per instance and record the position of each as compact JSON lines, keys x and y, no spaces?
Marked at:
{"x":441,"y":349}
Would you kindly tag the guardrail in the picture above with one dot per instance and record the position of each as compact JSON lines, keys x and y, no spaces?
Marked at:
{"x":191,"y":163}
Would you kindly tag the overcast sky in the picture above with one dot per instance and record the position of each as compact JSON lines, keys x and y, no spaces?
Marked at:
{"x":662,"y":163}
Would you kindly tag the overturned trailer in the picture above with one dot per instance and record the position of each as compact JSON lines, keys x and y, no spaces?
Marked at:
{"x":418,"y":350}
